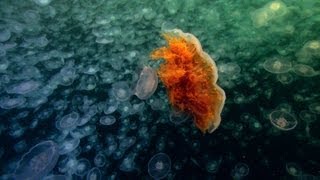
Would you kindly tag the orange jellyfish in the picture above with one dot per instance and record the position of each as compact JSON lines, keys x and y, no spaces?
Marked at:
{"x":190,"y":76}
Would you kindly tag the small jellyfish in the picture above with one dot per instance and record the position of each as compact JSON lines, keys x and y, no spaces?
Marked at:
{"x":56,"y":177}
{"x":277,"y":65}
{"x":285,"y":78}
{"x":107,"y":120}
{"x":159,"y":166}
{"x":121,"y":91}
{"x":128,"y":164}
{"x":111,"y":106}
{"x":38,"y":161}
{"x":83,"y":166}
{"x":178,"y":117}
{"x":304,"y":70}
{"x":68,"y":122}
{"x":68,"y":145}
{"x":293,"y":169}
{"x":213,"y":165}
{"x":23,"y":87}
{"x":147,"y":83}
{"x":7,"y":102}
{"x":94,"y":174}
{"x":100,"y":160}
{"x":283,"y":120}
{"x":240,"y":171}
{"x":5,"y":34}
{"x":315,"y":107}
{"x":42,"y":2}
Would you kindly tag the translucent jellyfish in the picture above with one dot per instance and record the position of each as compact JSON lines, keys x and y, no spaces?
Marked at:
{"x":293,"y":169}
{"x":127,"y":142}
{"x":68,"y":75}
{"x":178,"y":117}
{"x":285,"y":78}
{"x":121,"y":91}
{"x":100,"y":160}
{"x":20,"y":146}
{"x":304,"y":70}
{"x":83,"y":167}
{"x":56,"y":177}
{"x":128,"y":164}
{"x":240,"y":171}
{"x":88,"y":82}
{"x":283,"y":120}
{"x":315,"y":107}
{"x":54,"y":63}
{"x":111,"y":106}
{"x":212,"y":166}
{"x":277,"y":65}
{"x":42,"y":2}
{"x":68,"y":122}
{"x":107,"y":120}
{"x":229,"y":68}
{"x":7,"y":102}
{"x":38,"y":161}
{"x":159,"y":166}
{"x":91,"y":69}
{"x":5,"y":34}
{"x":23,"y":87}
{"x":147,"y":83}
{"x":307,"y":116}
{"x":94,"y":174}
{"x":68,"y":145}
{"x":4,"y":63}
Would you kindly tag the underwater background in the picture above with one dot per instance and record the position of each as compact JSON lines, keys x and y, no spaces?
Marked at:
{"x":75,"y":101}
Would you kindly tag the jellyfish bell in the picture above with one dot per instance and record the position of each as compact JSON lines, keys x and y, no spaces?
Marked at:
{"x":277,"y":65}
{"x":293,"y":169}
{"x":240,"y":171}
{"x":283,"y":120}
{"x":38,"y":161}
{"x":304,"y":70}
{"x":159,"y":166}
{"x":315,"y":107}
{"x":147,"y":83}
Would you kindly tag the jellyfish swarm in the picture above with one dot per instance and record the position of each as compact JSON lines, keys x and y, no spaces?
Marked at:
{"x":190,"y":76}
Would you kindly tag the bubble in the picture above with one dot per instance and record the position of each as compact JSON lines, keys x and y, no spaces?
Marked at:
{"x":315,"y":107}
{"x":23,"y":87}
{"x":293,"y":169}
{"x":304,"y":70}
{"x":68,"y":145}
{"x":240,"y":170}
{"x":147,"y":83}
{"x":68,"y":122}
{"x":107,"y":120}
{"x":159,"y":166}
{"x":94,"y":174}
{"x":7,"y":102}
{"x":100,"y":160}
{"x":38,"y":161}
{"x":121,"y":91}
{"x":277,"y":65}
{"x":283,"y":120}
{"x":83,"y":166}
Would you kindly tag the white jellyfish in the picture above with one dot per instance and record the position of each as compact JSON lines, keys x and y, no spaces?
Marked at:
{"x":107,"y":120}
{"x":147,"y":83}
{"x":277,"y":65}
{"x":83,"y":166}
{"x":283,"y":120}
{"x":159,"y":166}
{"x":56,"y":177}
{"x":94,"y":174}
{"x":5,"y":34}
{"x":293,"y":169}
{"x":121,"y":91}
{"x":68,"y":122}
{"x":100,"y":160}
{"x":23,"y":87}
{"x":127,"y":142}
{"x":68,"y":145}
{"x":7,"y":102}
{"x":38,"y":161}
{"x":42,"y":2}
{"x":304,"y":70}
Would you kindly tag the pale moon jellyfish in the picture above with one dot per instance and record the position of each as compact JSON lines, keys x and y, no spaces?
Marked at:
{"x":277,"y":65}
{"x":178,"y":117}
{"x":159,"y":166}
{"x":42,"y":2}
{"x":304,"y":70}
{"x":94,"y":174}
{"x":7,"y":102}
{"x":283,"y":120}
{"x":100,"y":160}
{"x":68,"y":145}
{"x":285,"y":78}
{"x":68,"y":122}
{"x":56,"y":177}
{"x":240,"y":171}
{"x":38,"y":161}
{"x":293,"y":169}
{"x":147,"y":83}
{"x":121,"y":91}
{"x":83,"y":166}
{"x":212,"y":166}
{"x":23,"y":87}
{"x":128,"y":164}
{"x":315,"y":107}
{"x":107,"y":120}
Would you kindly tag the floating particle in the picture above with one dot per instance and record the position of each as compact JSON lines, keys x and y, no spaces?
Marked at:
{"x":190,"y":76}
